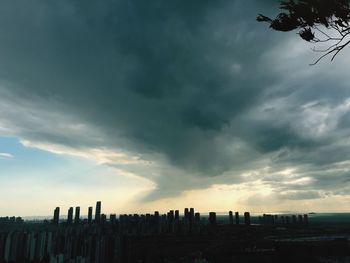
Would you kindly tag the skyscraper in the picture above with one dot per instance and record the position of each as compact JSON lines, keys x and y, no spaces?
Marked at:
{"x":56,"y":216}
{"x":70,"y":216}
{"x":237,"y":218}
{"x":77,"y":215}
{"x":103,"y":219}
{"x":90,"y":215}
{"x":98,"y":212}
{"x":177,"y":217}
{"x":197,"y":217}
{"x":231,"y":217}
{"x":306,"y":219}
{"x":113,"y":219}
{"x":191,"y":214}
{"x":186,"y":214}
{"x":247,"y":218}
{"x":156,"y":215}
{"x":212,"y":219}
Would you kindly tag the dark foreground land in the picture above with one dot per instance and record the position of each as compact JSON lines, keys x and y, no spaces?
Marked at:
{"x":173,"y":238}
{"x":245,"y":244}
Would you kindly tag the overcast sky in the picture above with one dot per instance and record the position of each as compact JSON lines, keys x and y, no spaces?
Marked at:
{"x":149,"y":105}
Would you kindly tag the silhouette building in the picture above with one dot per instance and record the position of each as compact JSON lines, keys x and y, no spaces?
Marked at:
{"x":90,"y":215}
{"x":237,"y":218}
{"x":306,"y":219}
{"x":56,"y":216}
{"x":103,"y":219}
{"x":191,"y":214}
{"x":212,"y":218}
{"x":231,"y":217}
{"x":77,"y":215}
{"x":177,"y":216}
{"x":197,"y":217}
{"x":247,"y":218}
{"x":98,"y":212}
{"x":131,"y":238}
{"x":113,"y":219}
{"x":186,"y":213}
{"x":70,"y":216}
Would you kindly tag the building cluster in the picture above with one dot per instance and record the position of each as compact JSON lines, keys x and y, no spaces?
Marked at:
{"x":10,"y":220}
{"x":77,"y":219}
{"x":57,"y":245}
{"x":149,"y":224}
{"x":268,"y":219}
{"x":72,"y":240}
{"x":236,"y":219}
{"x":96,"y":238}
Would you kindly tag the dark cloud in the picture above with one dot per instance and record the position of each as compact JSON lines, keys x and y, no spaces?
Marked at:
{"x":194,"y":82}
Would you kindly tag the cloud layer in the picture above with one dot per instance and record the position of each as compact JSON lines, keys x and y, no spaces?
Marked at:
{"x":185,"y":94}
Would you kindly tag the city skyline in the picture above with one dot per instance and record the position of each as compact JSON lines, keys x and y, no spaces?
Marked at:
{"x":134,"y":237}
{"x":146,"y":106}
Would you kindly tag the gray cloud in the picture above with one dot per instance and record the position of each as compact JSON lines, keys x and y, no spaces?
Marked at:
{"x":198,"y":87}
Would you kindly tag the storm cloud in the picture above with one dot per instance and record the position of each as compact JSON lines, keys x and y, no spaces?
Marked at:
{"x":193,"y":92}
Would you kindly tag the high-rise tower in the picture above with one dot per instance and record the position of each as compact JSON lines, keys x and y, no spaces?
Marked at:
{"x":56,"y":216}
{"x":247,"y":218}
{"x":77,"y":215}
{"x":90,"y":215}
{"x":98,"y":212}
{"x":212,"y":219}
{"x":237,"y":218}
{"x":231,"y":217}
{"x":70,"y":216}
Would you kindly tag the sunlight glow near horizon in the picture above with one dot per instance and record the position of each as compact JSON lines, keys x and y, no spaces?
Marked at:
{"x":65,"y":181}
{"x":37,"y":181}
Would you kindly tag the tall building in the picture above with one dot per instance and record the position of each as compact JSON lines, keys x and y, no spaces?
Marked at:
{"x":186,"y":214}
{"x":156,"y":215}
{"x":237,"y":218}
{"x":230,"y":214}
{"x":171,"y":215}
{"x":212,"y":218}
{"x":197,"y":217}
{"x":70,"y":216}
{"x":103,"y":219}
{"x":90,"y":215}
{"x":177,"y":217}
{"x":247,"y":218}
{"x":77,"y":215}
{"x":191,"y":214}
{"x":56,"y":216}
{"x":112,"y":219}
{"x":7,"y":249}
{"x":98,"y":212}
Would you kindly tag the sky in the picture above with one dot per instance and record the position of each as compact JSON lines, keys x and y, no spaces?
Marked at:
{"x":159,"y":105}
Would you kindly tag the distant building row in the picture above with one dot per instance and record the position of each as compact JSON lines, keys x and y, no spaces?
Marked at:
{"x":267,"y":219}
{"x":98,"y":216}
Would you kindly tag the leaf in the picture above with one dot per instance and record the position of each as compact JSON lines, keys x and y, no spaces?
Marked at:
{"x":262,"y":18}
{"x":284,"y":22}
{"x":307,"y":34}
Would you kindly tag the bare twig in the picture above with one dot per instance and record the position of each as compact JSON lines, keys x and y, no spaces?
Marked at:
{"x":339,"y":49}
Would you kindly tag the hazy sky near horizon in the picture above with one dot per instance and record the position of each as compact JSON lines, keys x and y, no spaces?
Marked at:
{"x":149,"y":105}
